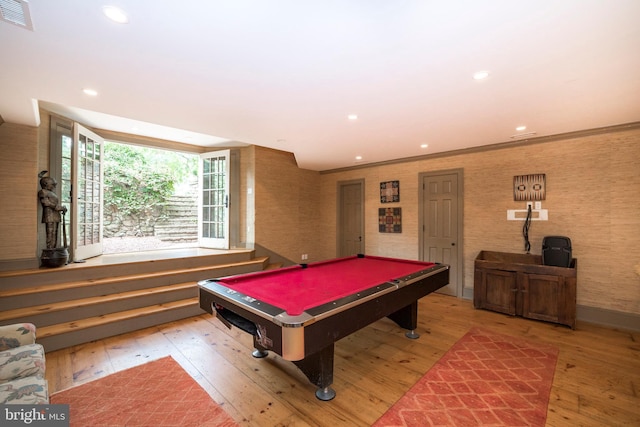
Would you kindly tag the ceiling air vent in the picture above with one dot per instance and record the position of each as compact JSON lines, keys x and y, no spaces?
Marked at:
{"x":16,"y":12}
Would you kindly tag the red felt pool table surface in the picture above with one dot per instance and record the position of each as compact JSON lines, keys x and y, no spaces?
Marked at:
{"x":299,"y":288}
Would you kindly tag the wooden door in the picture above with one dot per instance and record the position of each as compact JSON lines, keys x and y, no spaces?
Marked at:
{"x":440,"y":225}
{"x":350,"y":218}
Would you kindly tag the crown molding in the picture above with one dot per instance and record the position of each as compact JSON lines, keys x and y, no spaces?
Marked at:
{"x":498,"y":146}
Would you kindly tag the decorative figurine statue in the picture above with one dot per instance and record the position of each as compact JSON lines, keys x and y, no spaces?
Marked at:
{"x":52,"y":256}
{"x":51,"y":208}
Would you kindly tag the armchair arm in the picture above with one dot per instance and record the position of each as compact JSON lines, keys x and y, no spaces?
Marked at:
{"x":15,"y":335}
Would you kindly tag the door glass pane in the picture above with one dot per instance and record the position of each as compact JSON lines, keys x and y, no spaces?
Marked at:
{"x":89,"y":190}
{"x":213,"y":197}
{"x":65,"y":182}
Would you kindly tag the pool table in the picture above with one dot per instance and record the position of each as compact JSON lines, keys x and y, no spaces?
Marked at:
{"x":299,"y":312}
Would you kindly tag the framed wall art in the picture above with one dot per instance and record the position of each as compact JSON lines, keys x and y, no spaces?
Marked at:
{"x":390,"y":192}
{"x":390,"y":220}
{"x":529,"y":187}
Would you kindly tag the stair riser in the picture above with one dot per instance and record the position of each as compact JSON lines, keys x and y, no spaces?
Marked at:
{"x":116,"y":328}
{"x":182,"y":239}
{"x":182,"y":229}
{"x":181,"y":211}
{"x":46,"y":297}
{"x":64,"y":327}
{"x":192,"y":237}
{"x":70,"y":274}
{"x":77,"y":313}
{"x":180,"y":208}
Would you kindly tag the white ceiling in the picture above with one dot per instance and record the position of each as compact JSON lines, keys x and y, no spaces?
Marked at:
{"x":286,"y":73}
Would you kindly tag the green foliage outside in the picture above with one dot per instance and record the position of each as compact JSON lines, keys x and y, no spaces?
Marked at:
{"x":137,"y":179}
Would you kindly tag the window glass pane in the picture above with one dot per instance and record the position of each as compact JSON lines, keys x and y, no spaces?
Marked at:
{"x":66,"y":146}
{"x":81,"y":235}
{"x":89,"y":169}
{"x":96,"y":213}
{"x":66,"y":169}
{"x":96,"y":233}
{"x":82,"y":146}
{"x":65,"y":191}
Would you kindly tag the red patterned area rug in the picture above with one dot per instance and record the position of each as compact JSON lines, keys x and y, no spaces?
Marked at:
{"x":485,"y":379}
{"x":158,"y":393}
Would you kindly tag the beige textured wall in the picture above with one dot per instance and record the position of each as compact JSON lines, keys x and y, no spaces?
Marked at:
{"x":286,"y":205}
{"x":592,"y":197}
{"x":593,"y":185}
{"x":19,"y":187}
{"x":247,"y":197}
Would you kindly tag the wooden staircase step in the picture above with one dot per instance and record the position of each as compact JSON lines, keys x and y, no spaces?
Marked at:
{"x":118,"y":294}
{"x":25,"y":312}
{"x":112,"y":265}
{"x":91,"y":322}
{"x":5,"y":293}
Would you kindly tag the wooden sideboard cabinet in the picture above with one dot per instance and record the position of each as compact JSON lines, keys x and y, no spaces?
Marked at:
{"x":520,"y":285}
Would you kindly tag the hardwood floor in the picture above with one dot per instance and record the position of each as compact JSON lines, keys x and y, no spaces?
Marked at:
{"x":596,"y":382}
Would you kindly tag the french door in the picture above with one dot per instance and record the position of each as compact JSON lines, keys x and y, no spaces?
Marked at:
{"x":86,"y":194}
{"x":213,"y":211}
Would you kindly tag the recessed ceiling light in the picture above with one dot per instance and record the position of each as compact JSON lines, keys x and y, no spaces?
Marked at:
{"x":90,"y":92}
{"x":115,"y":14}
{"x":424,"y":146}
{"x":521,"y":128}
{"x":358,"y":157}
{"x":352,"y":117}
{"x":481,"y":75}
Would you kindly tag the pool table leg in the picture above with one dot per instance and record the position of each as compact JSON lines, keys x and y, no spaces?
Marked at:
{"x":259,"y":354}
{"x":318,"y":367}
{"x":259,"y":351}
{"x":407,"y":318}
